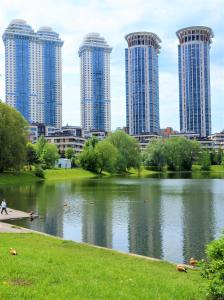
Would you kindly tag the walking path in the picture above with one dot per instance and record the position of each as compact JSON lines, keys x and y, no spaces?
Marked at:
{"x":13,"y":215}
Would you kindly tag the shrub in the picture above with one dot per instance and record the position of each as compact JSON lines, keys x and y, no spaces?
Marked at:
{"x":39,"y":172}
{"x":213,"y":270}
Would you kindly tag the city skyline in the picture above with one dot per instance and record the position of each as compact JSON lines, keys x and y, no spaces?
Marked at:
{"x":130,"y":16}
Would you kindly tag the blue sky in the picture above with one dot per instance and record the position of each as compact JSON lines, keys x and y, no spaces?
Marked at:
{"x":113,"y":19}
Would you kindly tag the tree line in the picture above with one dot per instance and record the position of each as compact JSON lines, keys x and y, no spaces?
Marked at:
{"x":117,"y":153}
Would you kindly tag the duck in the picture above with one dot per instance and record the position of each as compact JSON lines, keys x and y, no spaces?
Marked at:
{"x":193,"y":262}
{"x":13,"y":251}
{"x":181,"y":268}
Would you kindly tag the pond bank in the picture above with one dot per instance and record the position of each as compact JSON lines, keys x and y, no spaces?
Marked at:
{"x":68,"y":270}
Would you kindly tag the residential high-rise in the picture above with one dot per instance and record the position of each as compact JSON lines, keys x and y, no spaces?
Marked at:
{"x":94,"y":54}
{"x":142,"y":82}
{"x":33,"y":72}
{"x":194,"y":79}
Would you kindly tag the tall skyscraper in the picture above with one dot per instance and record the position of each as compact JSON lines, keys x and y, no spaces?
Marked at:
{"x":142,"y":83}
{"x":194,"y":79}
{"x":33,"y":72}
{"x":94,"y":54}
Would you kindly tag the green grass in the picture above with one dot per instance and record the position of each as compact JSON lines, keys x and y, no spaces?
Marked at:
{"x":49,"y":268}
{"x":77,"y":173}
{"x":18,"y":178}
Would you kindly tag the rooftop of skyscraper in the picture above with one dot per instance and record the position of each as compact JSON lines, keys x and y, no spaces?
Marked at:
{"x":94,"y":39}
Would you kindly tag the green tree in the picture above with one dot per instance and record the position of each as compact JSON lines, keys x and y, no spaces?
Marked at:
{"x":128,"y":151}
{"x":181,"y":153}
{"x":205,"y":161}
{"x":70,"y":153}
{"x":31,"y":154}
{"x":88,"y":157}
{"x":41,"y":142}
{"x":213,"y":269}
{"x":13,"y":138}
{"x":49,"y":156}
{"x":155,"y":154}
{"x":106,"y":156}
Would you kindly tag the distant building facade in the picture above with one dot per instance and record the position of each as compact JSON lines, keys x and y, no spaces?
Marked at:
{"x":34,"y":72}
{"x":94,"y":55}
{"x":194,"y":79}
{"x":142,"y":83}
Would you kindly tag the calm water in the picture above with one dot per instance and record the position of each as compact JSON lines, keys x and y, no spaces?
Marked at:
{"x":171,"y":219}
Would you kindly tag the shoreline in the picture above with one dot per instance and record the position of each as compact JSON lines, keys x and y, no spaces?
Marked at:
{"x":28,"y":177}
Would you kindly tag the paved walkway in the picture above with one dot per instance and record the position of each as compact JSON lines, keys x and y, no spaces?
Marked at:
{"x":14,"y":214}
{"x":4,"y":227}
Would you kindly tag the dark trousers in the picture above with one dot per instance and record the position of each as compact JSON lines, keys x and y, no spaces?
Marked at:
{"x":4,"y":209}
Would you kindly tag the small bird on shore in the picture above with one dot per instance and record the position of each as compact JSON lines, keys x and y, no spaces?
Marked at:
{"x":193,"y":262}
{"x":65,"y":204}
{"x":13,"y":251}
{"x":181,"y":268}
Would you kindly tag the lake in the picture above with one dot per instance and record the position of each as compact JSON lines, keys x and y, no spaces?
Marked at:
{"x":171,"y":219}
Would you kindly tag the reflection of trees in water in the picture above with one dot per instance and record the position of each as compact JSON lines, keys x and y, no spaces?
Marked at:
{"x":145,"y":236}
{"x":198,"y":218}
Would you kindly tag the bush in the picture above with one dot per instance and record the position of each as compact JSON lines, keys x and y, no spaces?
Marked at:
{"x":213,"y":270}
{"x":39,"y":172}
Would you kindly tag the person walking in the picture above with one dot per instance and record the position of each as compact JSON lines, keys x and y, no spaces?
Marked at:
{"x":4,"y":206}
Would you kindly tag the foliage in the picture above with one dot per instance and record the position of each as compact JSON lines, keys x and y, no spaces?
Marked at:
{"x":106,"y":156}
{"x":88,"y":157}
{"x":39,"y":172}
{"x":13,"y":138}
{"x":31,"y":154}
{"x":216,"y":156}
{"x":128,"y":151}
{"x":41,"y":142}
{"x":70,"y":153}
{"x":181,"y":153}
{"x":49,"y":156}
{"x":213,"y":269}
{"x":54,"y":269}
{"x":177,"y":153}
{"x":155,"y":155}
{"x":205,"y":161}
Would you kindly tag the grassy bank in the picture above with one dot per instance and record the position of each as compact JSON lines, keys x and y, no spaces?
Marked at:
{"x":18,"y":178}
{"x":77,"y":173}
{"x":49,"y":268}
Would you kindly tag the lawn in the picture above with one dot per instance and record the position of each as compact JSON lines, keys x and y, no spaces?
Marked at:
{"x":58,"y":174}
{"x":50,"y":268}
{"x":18,"y":178}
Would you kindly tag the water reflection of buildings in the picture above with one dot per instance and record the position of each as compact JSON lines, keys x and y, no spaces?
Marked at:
{"x":198,"y":218}
{"x":97,"y":216}
{"x":144,"y":228}
{"x":50,"y":209}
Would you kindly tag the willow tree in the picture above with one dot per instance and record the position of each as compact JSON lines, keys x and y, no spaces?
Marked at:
{"x":13,"y":138}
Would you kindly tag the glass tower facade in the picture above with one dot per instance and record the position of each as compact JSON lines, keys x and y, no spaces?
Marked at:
{"x":33,"y":72}
{"x":194,"y":79}
{"x":94,"y":55}
{"x":142,"y":83}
